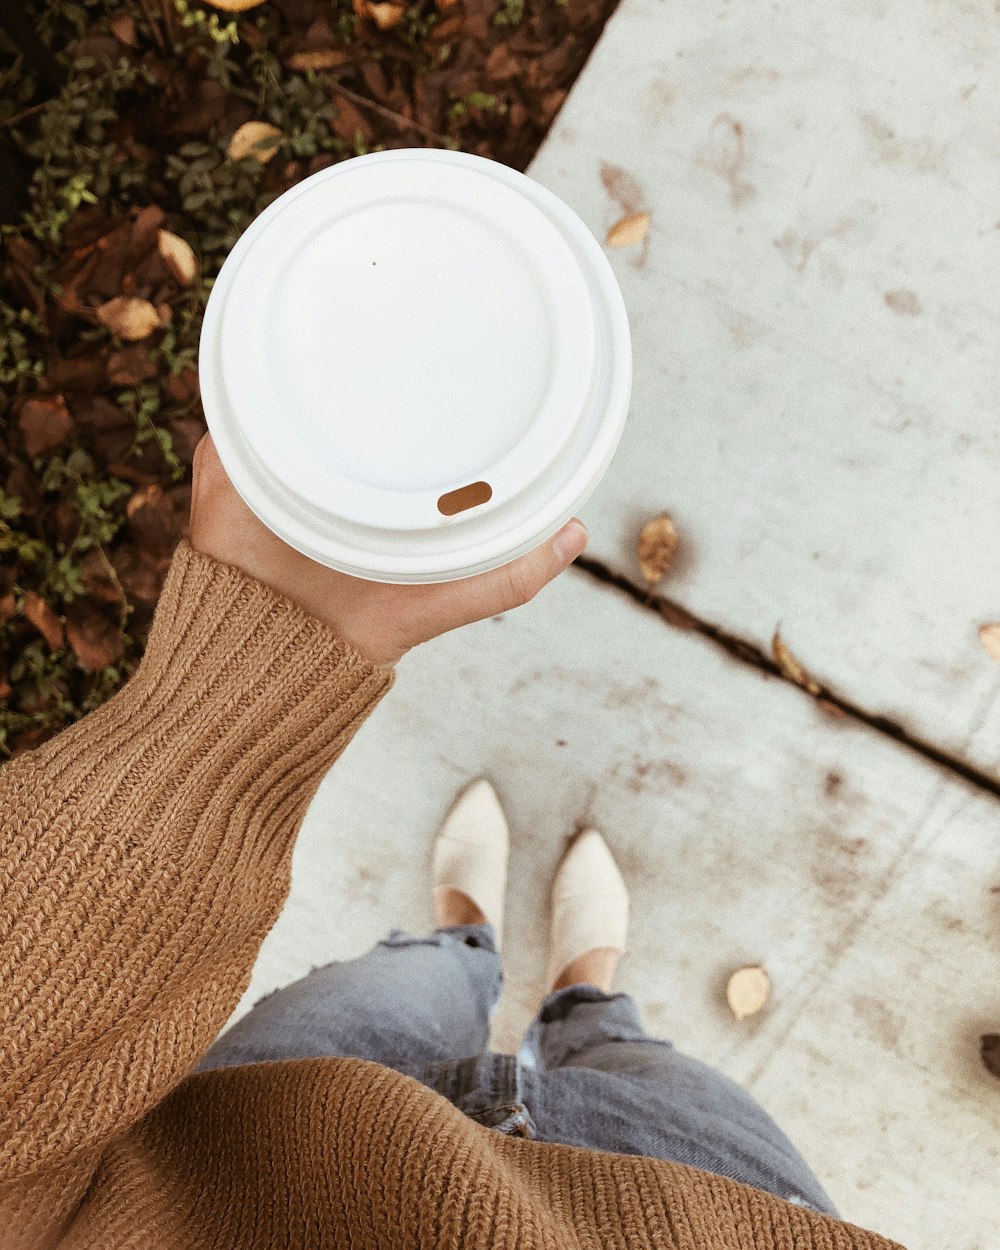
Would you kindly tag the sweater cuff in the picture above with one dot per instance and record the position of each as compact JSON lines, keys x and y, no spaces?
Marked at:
{"x":235,"y":676}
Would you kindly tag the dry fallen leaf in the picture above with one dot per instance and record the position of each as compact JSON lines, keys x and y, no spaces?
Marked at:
{"x":123,"y":28}
{"x":45,"y":424}
{"x":99,"y":578}
{"x":989,"y":636}
{"x":150,"y":518}
{"x":386,"y":16}
{"x":45,"y":619}
{"x":95,"y":640}
{"x":748,"y":991}
{"x":657,"y":547}
{"x":128,"y":317}
{"x":318,"y":58}
{"x":178,"y":256}
{"x":234,"y":6}
{"x":257,"y":139}
{"x":630,"y":229}
{"x":130,"y":366}
{"x":989,"y":1050}
{"x":149,"y":496}
{"x":791,"y":667}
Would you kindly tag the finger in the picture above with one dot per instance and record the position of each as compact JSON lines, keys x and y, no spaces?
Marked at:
{"x":510,"y":586}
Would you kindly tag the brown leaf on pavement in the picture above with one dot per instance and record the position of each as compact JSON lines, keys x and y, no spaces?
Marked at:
{"x":677,"y":616}
{"x":45,"y":423}
{"x":657,"y":547}
{"x":45,"y":619}
{"x":129,"y":318}
{"x":989,"y":636}
{"x":748,"y":991}
{"x":96,"y":640}
{"x":631,"y":229}
{"x":791,"y":667}
{"x":989,"y":1050}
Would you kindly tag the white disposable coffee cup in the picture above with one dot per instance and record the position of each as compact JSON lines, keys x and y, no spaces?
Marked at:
{"x":416,"y":365}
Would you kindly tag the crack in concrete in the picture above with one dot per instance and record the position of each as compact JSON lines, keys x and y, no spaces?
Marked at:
{"x":753,"y":655}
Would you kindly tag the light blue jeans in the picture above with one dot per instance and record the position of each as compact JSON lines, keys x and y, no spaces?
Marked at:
{"x":587,"y":1073}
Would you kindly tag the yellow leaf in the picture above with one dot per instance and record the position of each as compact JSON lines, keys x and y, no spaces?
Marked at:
{"x":386,"y":16}
{"x":234,"y":6}
{"x":791,"y":667}
{"x":178,"y":257}
{"x":128,"y":317}
{"x":319,"y":58}
{"x":748,"y":991}
{"x":989,"y":636}
{"x":257,"y":139}
{"x":657,"y":547}
{"x":630,"y":229}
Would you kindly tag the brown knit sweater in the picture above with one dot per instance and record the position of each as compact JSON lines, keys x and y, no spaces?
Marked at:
{"x":145,"y":854}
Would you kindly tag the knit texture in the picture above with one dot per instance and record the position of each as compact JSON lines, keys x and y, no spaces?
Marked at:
{"x":145,"y":854}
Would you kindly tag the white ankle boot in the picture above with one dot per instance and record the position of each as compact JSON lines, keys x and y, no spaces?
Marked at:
{"x":471,"y":852}
{"x":589,"y":904}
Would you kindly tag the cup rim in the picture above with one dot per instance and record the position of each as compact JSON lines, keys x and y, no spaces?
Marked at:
{"x":613,"y":346}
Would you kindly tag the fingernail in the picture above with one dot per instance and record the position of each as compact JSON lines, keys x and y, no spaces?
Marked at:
{"x":570,"y":541}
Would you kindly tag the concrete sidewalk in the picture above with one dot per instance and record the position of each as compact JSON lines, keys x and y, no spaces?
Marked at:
{"x":814,"y":316}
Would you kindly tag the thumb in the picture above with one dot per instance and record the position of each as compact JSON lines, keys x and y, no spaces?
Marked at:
{"x":514,"y":584}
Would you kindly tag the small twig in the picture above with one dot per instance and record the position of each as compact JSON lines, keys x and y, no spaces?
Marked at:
{"x":19,"y":117}
{"x":153,"y":27}
{"x":387,"y":113}
{"x":125,"y":610}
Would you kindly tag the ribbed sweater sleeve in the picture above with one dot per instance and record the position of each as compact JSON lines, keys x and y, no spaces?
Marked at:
{"x":145,"y":854}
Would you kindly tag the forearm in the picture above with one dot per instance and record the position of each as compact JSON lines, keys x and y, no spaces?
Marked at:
{"x":145,"y":855}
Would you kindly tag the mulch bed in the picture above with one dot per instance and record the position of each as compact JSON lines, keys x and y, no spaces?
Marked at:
{"x":131,"y":198}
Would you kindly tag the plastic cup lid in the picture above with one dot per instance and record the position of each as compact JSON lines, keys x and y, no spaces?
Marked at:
{"x":416,"y":365}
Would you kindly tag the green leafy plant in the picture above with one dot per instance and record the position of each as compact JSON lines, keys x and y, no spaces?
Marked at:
{"x":480,"y":100}
{"x":153,"y":93}
{"x":209,"y":23}
{"x":511,"y":13}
